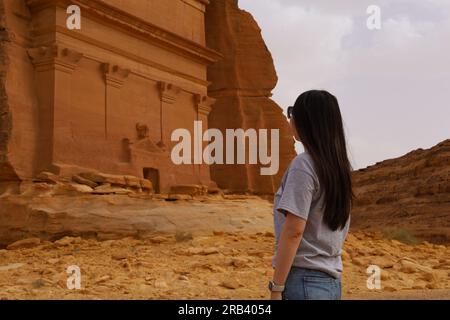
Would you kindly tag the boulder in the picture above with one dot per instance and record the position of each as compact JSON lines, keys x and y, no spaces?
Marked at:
{"x":108,"y":189}
{"x":71,"y":189}
{"x":146,"y":185}
{"x":102,"y":178}
{"x":132,"y":182}
{"x":47,"y":177}
{"x":25,"y":243}
{"x":189,"y":189}
{"x":80,"y":180}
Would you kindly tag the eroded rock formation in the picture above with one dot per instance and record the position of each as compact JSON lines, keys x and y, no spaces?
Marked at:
{"x":242,"y":84}
{"x":411,"y":192}
{"x":107,"y":97}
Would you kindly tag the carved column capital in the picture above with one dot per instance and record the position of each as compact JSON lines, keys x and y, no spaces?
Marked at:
{"x":204,"y":104}
{"x":55,"y":56}
{"x":168,"y":92}
{"x":115,"y":76}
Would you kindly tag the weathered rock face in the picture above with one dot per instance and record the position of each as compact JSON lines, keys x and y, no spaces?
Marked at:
{"x":411,"y":192}
{"x":106,"y":97}
{"x":52,"y":211}
{"x":242,"y":83}
{"x":7,"y":173}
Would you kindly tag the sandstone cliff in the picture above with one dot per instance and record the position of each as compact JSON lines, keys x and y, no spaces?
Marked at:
{"x":242,"y":84}
{"x":6,"y":172}
{"x":411,"y":192}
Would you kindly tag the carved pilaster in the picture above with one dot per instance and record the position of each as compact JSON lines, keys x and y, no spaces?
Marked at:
{"x":55,"y":56}
{"x":204,"y":104}
{"x":168,"y":92}
{"x":115,"y":76}
{"x":54,"y":66}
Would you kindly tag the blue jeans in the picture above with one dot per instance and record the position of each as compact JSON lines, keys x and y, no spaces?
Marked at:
{"x":306,"y":284}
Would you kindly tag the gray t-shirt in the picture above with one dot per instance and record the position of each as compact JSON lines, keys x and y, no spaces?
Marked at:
{"x":320,"y":248}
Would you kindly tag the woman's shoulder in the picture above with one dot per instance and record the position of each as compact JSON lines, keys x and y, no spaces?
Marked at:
{"x":303,"y":161}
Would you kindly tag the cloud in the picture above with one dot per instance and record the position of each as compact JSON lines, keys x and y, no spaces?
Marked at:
{"x":393,"y":84}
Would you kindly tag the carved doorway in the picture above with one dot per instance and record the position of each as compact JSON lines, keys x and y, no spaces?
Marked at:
{"x":152,"y":174}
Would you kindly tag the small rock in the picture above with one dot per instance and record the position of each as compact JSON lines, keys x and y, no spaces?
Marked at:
{"x":430,"y":277}
{"x":396,"y":243}
{"x":23,"y":281}
{"x":11,"y":266}
{"x":389,"y":288}
{"x":358,"y":262}
{"x":108,"y":189}
{"x":132,"y":182}
{"x":269,"y":234}
{"x":212,"y":283}
{"x":102,"y":279}
{"x":107,"y":243}
{"x":119,"y":256}
{"x":239,"y":262}
{"x":102,"y":178}
{"x":146,"y":184}
{"x":47,"y":177}
{"x":191,"y":251}
{"x":160,"y":284}
{"x":433,"y":285}
{"x":231,"y":284}
{"x":81,"y":188}
{"x":126,"y":265}
{"x":53,"y":260}
{"x":38,"y":283}
{"x":183,"y":236}
{"x":189,"y":189}
{"x":158,"y":239}
{"x":208,"y":251}
{"x":385,"y":275}
{"x":256,"y":253}
{"x":67,"y":241}
{"x":183,"y":278}
{"x":80,"y":180}
{"x":25,"y":243}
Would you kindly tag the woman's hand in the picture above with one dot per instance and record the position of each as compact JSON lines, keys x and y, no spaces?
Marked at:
{"x":275,"y":296}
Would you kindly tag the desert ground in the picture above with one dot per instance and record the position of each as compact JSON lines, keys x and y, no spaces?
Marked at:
{"x":221,"y":264}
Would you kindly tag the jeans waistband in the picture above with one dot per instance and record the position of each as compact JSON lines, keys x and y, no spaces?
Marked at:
{"x":313,"y":272}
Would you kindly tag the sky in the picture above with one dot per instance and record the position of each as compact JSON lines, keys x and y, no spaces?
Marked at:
{"x":393,"y":84}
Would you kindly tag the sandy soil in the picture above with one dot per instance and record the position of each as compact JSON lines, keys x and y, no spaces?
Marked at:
{"x":221,"y":266}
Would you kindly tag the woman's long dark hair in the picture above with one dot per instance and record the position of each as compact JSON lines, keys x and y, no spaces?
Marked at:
{"x":318,"y":121}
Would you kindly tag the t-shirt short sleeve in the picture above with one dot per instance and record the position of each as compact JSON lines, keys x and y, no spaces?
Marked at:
{"x":297,"y":195}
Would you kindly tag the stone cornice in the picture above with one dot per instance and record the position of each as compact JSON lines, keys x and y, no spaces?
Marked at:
{"x":138,"y":27}
{"x":116,"y":50}
{"x":197,"y":4}
{"x":168,"y":92}
{"x":114,"y":75}
{"x":63,"y":59}
{"x":204,"y":104}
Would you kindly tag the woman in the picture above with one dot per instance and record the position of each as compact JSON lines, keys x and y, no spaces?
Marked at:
{"x":312,"y":205}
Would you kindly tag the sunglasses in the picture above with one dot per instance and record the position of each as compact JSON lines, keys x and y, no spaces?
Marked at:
{"x":289,"y":112}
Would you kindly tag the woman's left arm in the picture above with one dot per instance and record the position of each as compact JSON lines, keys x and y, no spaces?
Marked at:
{"x":290,"y":238}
